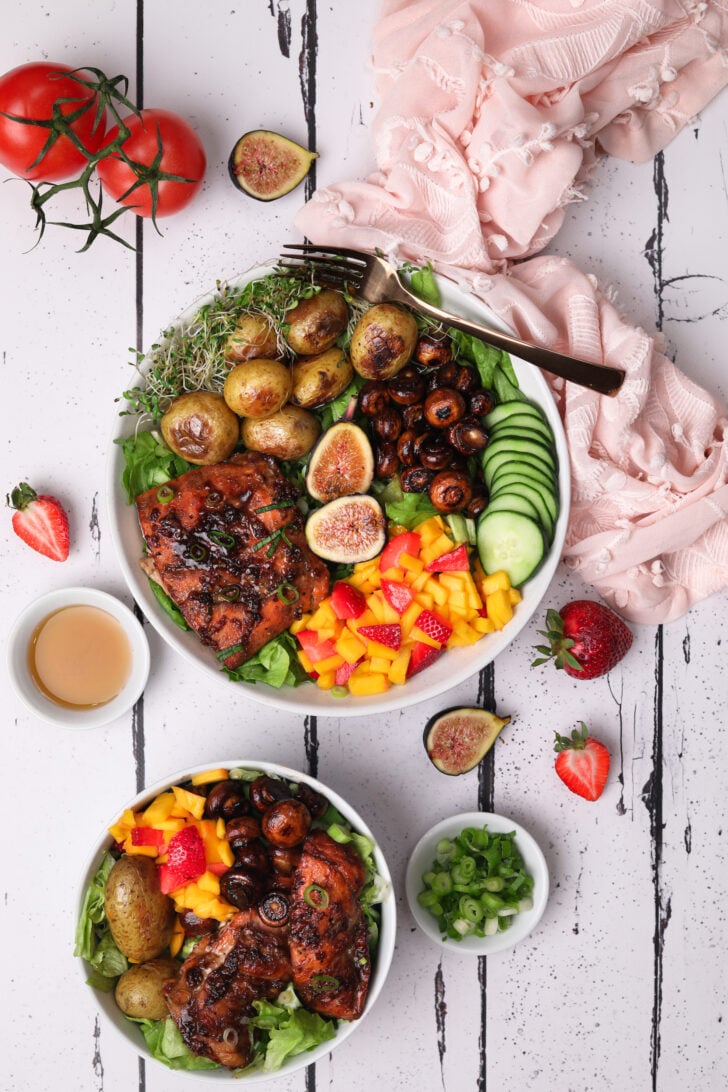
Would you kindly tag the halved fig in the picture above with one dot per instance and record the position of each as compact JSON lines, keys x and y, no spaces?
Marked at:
{"x":341,"y":463}
{"x":457,"y":739}
{"x":347,"y":530}
{"x":266,"y":165}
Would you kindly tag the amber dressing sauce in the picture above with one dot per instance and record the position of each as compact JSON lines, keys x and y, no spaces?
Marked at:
{"x":79,"y":657}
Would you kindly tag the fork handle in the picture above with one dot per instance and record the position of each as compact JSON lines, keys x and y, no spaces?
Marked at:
{"x":598,"y":377}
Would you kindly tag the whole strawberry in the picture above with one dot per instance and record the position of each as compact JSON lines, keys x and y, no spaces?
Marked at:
{"x":585,"y":638}
{"x":582,"y":763}
{"x":40,"y":521}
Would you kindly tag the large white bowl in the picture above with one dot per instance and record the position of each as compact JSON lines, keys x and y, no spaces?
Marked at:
{"x":534,"y":862}
{"x":380,"y":964}
{"x":451,"y":669}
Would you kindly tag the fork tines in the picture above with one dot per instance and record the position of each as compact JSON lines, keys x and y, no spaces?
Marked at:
{"x":334,"y":265}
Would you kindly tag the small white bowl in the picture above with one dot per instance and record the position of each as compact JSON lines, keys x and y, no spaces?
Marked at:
{"x":421,"y":861}
{"x":129,"y":1031}
{"x":18,"y":669}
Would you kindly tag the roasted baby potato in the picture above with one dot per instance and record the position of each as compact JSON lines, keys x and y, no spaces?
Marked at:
{"x":140,"y":916}
{"x":253,"y":336}
{"x":288,"y":434}
{"x":257,"y":388}
{"x":383,"y":341}
{"x":315,"y":324}
{"x":138,"y":993}
{"x":321,"y":378}
{"x":201,"y":428}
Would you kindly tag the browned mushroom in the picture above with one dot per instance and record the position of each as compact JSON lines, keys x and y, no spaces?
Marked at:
{"x":444,"y":406}
{"x":416,"y":479}
{"x":373,"y":398}
{"x":242,"y":830}
{"x":286,"y":823}
{"x":466,"y":380}
{"x":480,"y":403}
{"x":434,"y":451}
{"x":406,"y":447}
{"x":432,"y":351}
{"x":386,"y":460}
{"x":388,"y":424}
{"x":226,"y":800}
{"x":477,"y":504}
{"x":443,"y":377}
{"x":274,"y":908}
{"x":253,"y":856}
{"x":285,"y":859}
{"x":316,"y":802}
{"x":407,"y":387}
{"x":451,"y":491}
{"x":413,"y":416}
{"x":240,"y":887}
{"x":467,"y":436}
{"x":193,"y":926}
{"x":265,"y":791}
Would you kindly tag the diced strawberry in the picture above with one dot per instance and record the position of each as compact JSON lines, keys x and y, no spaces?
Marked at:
{"x":483,"y":612}
{"x":389,"y":634}
{"x":422,"y":656}
{"x":217,"y":867}
{"x":147,"y":836}
{"x":455,"y":561}
{"x":185,"y":860}
{"x":434,"y":625}
{"x":314,"y":648}
{"x":398,"y":595}
{"x":343,"y":673}
{"x":347,"y":601}
{"x":407,"y":543}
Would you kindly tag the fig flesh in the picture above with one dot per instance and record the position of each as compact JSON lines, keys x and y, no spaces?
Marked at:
{"x":341,"y":464}
{"x":347,"y":530}
{"x":457,"y":739}
{"x":266,"y":165}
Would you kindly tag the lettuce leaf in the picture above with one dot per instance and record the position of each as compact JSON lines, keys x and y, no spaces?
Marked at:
{"x":288,"y":1029}
{"x":147,"y":462}
{"x":276,"y":664}
{"x":168,"y":605}
{"x":423,"y":284}
{"x":93,"y":940}
{"x":165,"y":1043}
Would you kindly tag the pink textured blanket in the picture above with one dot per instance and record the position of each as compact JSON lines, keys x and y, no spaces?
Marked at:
{"x":492,"y":115}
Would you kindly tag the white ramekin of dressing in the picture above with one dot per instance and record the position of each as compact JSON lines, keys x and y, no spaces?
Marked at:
{"x":78,"y":658}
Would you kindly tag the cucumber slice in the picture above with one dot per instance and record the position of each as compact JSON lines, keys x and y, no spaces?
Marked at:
{"x":508,"y":409}
{"x":514,"y":502}
{"x":514,"y":497}
{"x":513,"y":462}
{"x":506,"y":482}
{"x":519,"y":447}
{"x":525,"y":425}
{"x":522,"y":471}
{"x":510,"y":541}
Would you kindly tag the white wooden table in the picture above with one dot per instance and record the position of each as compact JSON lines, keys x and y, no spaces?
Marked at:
{"x":623,"y":985}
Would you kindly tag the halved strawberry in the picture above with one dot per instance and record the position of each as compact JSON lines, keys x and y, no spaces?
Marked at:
{"x":398,"y":595}
{"x":422,"y":656}
{"x":41,"y":521}
{"x":386,"y":633}
{"x":185,"y":860}
{"x":454,"y":561}
{"x":314,"y":648}
{"x":582,"y":763}
{"x":434,"y":625}
{"x":342,"y":674}
{"x":347,"y":601}
{"x":407,"y":543}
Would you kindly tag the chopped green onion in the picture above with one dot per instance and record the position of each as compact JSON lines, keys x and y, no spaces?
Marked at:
{"x":288,"y":593}
{"x":476,"y":884}
{"x":338,"y":691}
{"x":338,"y":834}
{"x":165,"y":494}
{"x":214,"y":499}
{"x":316,"y":896}
{"x":225,"y":652}
{"x":276,"y":506}
{"x":222,"y":538}
{"x":266,"y":540}
{"x":231,"y":593}
{"x":198,"y":552}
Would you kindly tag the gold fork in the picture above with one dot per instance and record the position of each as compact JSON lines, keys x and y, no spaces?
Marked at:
{"x":377,"y":281}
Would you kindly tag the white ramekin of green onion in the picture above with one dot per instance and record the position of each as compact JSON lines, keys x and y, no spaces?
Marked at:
{"x":477,"y":883}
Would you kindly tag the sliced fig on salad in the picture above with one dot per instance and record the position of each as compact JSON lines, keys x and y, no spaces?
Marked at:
{"x":341,"y":463}
{"x":457,"y":739}
{"x":266,"y":165}
{"x":347,"y":530}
